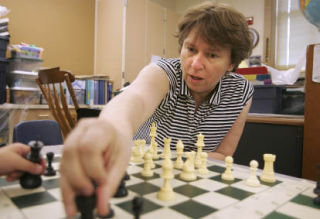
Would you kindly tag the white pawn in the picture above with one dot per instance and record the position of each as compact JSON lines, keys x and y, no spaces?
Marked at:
{"x":136,"y":154}
{"x":227,"y":175}
{"x":142,"y":146}
{"x":187,"y":173}
{"x":178,"y":164}
{"x":253,"y":179}
{"x":268,"y":172}
{"x":150,"y":150}
{"x":166,"y":153}
{"x":166,"y":193}
{"x":147,"y":172}
{"x":203,"y":170}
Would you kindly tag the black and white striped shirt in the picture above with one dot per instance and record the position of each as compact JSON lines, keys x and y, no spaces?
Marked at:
{"x":176,"y":118}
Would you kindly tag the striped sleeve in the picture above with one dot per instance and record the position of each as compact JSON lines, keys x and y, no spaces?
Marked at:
{"x":170,"y":67}
{"x":247,"y":92}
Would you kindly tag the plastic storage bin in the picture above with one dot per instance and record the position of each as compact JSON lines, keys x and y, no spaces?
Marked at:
{"x":22,"y":79}
{"x":267,"y":99}
{"x":3,"y":72}
{"x":24,"y":64}
{"x":24,"y":95}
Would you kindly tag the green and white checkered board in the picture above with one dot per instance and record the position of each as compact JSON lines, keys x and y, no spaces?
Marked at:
{"x":206,"y":197}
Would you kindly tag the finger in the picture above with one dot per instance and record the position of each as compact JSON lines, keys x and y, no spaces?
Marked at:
{"x":25,"y":165}
{"x":68,"y":197}
{"x":14,"y":176}
{"x":91,"y":152}
{"x":73,"y":172}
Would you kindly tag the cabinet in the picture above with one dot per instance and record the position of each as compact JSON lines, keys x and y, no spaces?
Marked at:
{"x":273,"y":134}
{"x":12,"y":114}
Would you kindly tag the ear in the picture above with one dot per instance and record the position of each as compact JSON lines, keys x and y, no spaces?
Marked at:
{"x":230,"y":68}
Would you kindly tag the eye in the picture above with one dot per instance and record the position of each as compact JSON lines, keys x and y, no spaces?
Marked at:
{"x":191,"y":49}
{"x":212,"y":55}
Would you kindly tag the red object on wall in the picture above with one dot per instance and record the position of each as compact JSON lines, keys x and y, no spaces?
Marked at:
{"x":252,"y":70}
{"x":250,"y":20}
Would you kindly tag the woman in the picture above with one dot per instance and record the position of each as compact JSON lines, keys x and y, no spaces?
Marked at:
{"x":196,"y":93}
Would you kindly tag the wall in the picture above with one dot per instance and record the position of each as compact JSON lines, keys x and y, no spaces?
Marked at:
{"x":65,"y":29}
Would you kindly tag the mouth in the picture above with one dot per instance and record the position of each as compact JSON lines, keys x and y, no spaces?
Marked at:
{"x":195,"y":78}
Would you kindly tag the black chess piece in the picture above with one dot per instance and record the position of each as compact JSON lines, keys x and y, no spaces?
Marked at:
{"x":137,"y":206}
{"x":50,"y":171}
{"x":86,"y":205}
{"x":122,"y":190}
{"x":316,"y":190}
{"x":28,"y":180}
{"x":126,"y":176}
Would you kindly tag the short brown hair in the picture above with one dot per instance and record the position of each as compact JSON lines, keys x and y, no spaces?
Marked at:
{"x":221,"y":24}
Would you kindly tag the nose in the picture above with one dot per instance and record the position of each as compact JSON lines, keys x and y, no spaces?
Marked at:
{"x":197,"y":62}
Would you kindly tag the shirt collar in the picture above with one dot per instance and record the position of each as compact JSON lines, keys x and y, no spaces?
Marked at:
{"x":215,"y":97}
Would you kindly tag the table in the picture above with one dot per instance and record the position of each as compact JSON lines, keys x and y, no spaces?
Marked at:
{"x":207,"y":197}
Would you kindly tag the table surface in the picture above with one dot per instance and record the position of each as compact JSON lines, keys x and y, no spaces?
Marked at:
{"x":207,"y":197}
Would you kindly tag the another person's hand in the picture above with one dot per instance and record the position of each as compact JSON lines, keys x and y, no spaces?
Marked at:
{"x":13,"y":161}
{"x":94,"y":151}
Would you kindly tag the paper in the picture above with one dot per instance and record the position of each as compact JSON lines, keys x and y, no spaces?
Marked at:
{"x":316,"y":64}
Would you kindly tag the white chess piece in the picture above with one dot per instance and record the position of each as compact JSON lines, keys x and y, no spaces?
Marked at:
{"x":166,"y":193}
{"x":136,"y":153}
{"x":187,"y":173}
{"x":253,"y":179}
{"x":268,"y":172}
{"x":199,"y":145}
{"x":150,"y":150}
{"x":166,"y":153}
{"x":154,"y":144}
{"x":147,"y":172}
{"x":203,"y":170}
{"x":227,"y":175}
{"x":178,"y":164}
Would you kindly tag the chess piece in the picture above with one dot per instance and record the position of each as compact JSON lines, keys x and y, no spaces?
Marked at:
{"x":166,"y":148}
{"x":137,"y":206}
{"x":227,"y":175}
{"x":178,"y":164}
{"x":199,"y":145}
{"x":203,"y":170}
{"x":126,"y":176}
{"x":28,"y":180}
{"x":316,"y":190}
{"x":166,"y":193}
{"x":268,"y":172}
{"x":86,"y":205}
{"x":147,"y":172}
{"x":122,"y":190}
{"x":316,"y":200}
{"x":152,"y":164}
{"x":253,"y":179}
{"x":154,"y":144}
{"x":142,"y":146}
{"x":136,"y":154}
{"x":187,"y":173}
{"x":50,"y":170}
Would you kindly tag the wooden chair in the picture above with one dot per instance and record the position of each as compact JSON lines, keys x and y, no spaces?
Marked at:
{"x":50,"y":82}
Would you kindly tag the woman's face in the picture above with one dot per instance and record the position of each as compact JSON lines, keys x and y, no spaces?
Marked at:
{"x":203,"y":65}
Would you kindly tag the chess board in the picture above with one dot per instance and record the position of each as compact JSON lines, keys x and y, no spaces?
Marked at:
{"x":206,"y":197}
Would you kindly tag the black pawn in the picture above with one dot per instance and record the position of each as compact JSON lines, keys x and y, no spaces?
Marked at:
{"x":50,"y":170}
{"x":122,"y":190}
{"x":126,"y":176}
{"x":28,"y":180}
{"x":137,"y":206}
{"x":86,"y":205}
